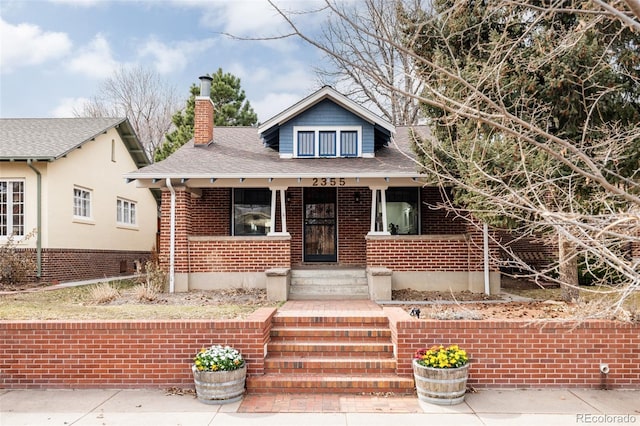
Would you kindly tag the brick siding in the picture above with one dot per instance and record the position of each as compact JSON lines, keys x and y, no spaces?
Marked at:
{"x":60,"y":265}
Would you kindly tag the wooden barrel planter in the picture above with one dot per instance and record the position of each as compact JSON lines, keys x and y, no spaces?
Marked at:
{"x":441,"y":386}
{"x":219,"y":387}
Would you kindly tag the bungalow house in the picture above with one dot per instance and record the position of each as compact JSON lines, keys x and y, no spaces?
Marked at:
{"x":323,"y":200}
{"x":64,"y":177}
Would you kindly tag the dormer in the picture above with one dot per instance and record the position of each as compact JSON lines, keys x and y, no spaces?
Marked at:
{"x":326,"y":124}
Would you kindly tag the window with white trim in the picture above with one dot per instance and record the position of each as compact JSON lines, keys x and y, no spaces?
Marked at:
{"x":82,"y":203}
{"x":403,"y":212}
{"x":327,"y":141}
{"x":126,"y":212}
{"x":251,"y":211}
{"x":11,"y":208}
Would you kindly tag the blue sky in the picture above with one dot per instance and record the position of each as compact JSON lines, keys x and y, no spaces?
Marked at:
{"x":55,"y":53}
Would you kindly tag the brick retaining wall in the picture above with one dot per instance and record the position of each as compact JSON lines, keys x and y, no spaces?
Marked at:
{"x":120,"y":354}
{"x":519,"y":354}
{"x":157,"y":354}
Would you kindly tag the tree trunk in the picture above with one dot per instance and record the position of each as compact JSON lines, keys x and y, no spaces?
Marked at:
{"x":568,"y":261}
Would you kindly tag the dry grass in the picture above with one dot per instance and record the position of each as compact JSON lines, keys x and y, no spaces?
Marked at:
{"x":103,"y":293}
{"x":77,"y":303}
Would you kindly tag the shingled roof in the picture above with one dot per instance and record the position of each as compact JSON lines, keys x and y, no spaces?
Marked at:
{"x":238,"y":152}
{"x":47,"y":139}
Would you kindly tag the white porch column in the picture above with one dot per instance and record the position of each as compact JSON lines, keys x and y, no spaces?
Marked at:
{"x":283,"y":211}
{"x":383,"y":210}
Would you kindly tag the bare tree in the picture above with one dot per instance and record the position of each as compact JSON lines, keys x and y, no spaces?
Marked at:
{"x":349,"y":45}
{"x":140,"y":95}
{"x":512,"y":156}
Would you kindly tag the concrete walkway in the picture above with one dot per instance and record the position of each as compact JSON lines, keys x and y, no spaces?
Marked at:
{"x":156,"y":407}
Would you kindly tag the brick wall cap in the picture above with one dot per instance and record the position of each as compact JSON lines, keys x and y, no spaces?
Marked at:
{"x":277,"y":272}
{"x":379,"y":271}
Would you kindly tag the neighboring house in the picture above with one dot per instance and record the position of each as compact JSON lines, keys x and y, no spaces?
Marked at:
{"x":322,"y":200}
{"x":64,"y":176}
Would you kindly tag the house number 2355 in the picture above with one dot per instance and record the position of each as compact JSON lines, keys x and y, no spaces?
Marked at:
{"x":329,"y":182}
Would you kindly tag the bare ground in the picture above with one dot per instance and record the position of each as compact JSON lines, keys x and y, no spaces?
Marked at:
{"x":520,"y":300}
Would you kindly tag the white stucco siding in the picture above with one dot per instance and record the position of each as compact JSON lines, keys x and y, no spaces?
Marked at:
{"x":20,"y":171}
{"x":92,"y":168}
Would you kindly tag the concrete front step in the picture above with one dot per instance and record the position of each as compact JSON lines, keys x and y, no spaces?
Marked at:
{"x":323,"y":284}
{"x":329,"y":365}
{"x":323,"y":383}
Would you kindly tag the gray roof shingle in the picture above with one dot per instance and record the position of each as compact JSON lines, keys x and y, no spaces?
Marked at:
{"x":239,"y":152}
{"x":48,"y":138}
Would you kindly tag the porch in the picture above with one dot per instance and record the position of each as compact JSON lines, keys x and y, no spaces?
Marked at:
{"x":272,"y":237}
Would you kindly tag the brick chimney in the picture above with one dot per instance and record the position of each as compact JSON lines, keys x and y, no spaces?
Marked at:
{"x":203,"y":115}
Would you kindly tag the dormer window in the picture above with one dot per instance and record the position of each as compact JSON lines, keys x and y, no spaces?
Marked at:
{"x":321,"y":142}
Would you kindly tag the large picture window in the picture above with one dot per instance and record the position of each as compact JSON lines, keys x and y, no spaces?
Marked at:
{"x":82,"y":203}
{"x":11,"y":208}
{"x":126,"y":212}
{"x":402,"y":211}
{"x":251,"y":211}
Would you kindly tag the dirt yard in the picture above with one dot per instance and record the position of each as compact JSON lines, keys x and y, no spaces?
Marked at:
{"x":519,"y":300}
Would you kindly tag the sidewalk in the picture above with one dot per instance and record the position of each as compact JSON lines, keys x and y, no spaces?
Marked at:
{"x":156,"y":407}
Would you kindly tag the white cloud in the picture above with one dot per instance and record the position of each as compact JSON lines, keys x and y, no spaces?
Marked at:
{"x":170,"y":58}
{"x":27,"y":45}
{"x":273,"y":104}
{"x":81,"y":3}
{"x":95,"y":60}
{"x":68,"y":106}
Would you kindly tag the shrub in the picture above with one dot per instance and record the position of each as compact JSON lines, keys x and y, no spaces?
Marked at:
{"x":15,"y":265}
{"x":103,"y":293}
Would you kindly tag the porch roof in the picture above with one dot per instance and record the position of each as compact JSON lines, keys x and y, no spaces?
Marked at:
{"x":238,"y":152}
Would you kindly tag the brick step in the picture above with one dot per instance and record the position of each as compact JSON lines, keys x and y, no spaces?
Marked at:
{"x":323,"y":383}
{"x":286,"y":321}
{"x":335,"y":334}
{"x":320,"y":348}
{"x":329,"y":365}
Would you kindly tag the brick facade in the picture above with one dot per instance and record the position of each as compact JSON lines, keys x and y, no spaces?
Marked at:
{"x":204,"y":242}
{"x":158,"y":354}
{"x":62,"y":265}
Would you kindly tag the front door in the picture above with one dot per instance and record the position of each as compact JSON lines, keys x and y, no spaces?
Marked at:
{"x":320,"y":242}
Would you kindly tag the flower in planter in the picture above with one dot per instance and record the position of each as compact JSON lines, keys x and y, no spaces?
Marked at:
{"x":442,"y":357}
{"x":218,"y":358}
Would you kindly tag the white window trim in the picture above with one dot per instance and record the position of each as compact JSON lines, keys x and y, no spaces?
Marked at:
{"x":317,"y":130}
{"x":130,"y":202}
{"x":16,"y":238}
{"x":83,"y":218}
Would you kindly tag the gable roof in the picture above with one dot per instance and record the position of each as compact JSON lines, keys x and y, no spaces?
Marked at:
{"x":327,"y":92}
{"x":238,"y":153}
{"x":47,"y":139}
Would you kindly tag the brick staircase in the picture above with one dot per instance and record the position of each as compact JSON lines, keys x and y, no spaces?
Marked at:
{"x":330,"y":354}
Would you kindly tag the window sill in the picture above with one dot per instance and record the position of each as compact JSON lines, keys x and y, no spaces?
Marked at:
{"x":83,"y":221}
{"x":127,"y":227}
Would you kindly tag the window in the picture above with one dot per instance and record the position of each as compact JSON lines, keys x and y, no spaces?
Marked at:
{"x":251,"y":211}
{"x":322,"y":141}
{"x":126,"y":212}
{"x":327,"y":146}
{"x":11,"y":208}
{"x":82,"y":203}
{"x":306,"y":144}
{"x":349,"y":143}
{"x":402,"y":211}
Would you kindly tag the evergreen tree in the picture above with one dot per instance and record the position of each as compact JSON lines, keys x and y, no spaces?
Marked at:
{"x":531,"y":83}
{"x":231,"y":109}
